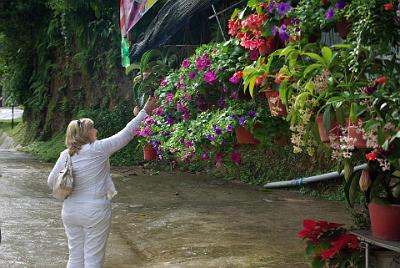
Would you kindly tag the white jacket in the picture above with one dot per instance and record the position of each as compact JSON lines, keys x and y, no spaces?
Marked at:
{"x":91,"y":165}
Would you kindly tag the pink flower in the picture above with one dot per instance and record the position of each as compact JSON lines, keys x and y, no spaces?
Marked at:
{"x":219,"y":160}
{"x":210,"y":77}
{"x":192,"y":75}
{"x":254,"y":55}
{"x":169,"y":96}
{"x":146,"y":131}
{"x":204,"y":156}
{"x":188,"y":143}
{"x":185,"y":63}
{"x":137,"y":132}
{"x":158,"y":111}
{"x":236,"y":77}
{"x":163,"y":82}
{"x":235,"y":157}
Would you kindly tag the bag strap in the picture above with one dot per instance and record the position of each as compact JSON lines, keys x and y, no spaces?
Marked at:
{"x":68,"y":161}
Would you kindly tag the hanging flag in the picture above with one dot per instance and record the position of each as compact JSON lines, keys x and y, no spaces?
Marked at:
{"x":130,"y":12}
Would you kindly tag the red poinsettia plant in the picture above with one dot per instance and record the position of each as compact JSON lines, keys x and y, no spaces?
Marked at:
{"x":331,"y":245}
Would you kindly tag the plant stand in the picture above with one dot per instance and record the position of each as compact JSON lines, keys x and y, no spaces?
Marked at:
{"x":368,"y":240}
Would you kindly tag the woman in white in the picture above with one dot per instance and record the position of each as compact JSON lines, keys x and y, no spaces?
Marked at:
{"x":86,"y":213}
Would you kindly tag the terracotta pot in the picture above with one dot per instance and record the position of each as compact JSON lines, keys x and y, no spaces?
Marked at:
{"x":356,"y":133}
{"x":334,"y":130}
{"x":275,"y":104}
{"x":343,"y":27}
{"x":149,"y":153}
{"x":244,"y":136}
{"x":385,"y":221}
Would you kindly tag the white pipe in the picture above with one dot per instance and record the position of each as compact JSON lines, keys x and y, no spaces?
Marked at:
{"x":302,"y":181}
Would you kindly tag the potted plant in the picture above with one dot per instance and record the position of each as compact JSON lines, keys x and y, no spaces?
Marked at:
{"x":380,"y":181}
{"x":331,"y":245}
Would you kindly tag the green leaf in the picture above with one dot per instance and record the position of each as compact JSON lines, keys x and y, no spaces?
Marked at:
{"x":316,"y":57}
{"x":311,"y":68}
{"x":300,"y":99}
{"x":235,"y":13}
{"x":251,"y":86}
{"x":353,"y":112}
{"x":317,"y":263}
{"x":351,"y":187}
{"x":327,"y":119}
{"x":327,"y":55}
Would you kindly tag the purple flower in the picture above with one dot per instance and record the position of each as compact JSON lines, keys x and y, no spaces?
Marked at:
{"x":242,"y":120}
{"x":163,"y":82}
{"x":214,"y":126}
{"x":211,"y":137}
{"x":271,"y":7}
{"x":282,"y":33}
{"x":169,"y":96}
{"x":221,"y":102}
{"x":329,"y":14}
{"x":229,"y":128}
{"x":224,"y":89}
{"x":169,"y":120}
{"x":192,"y":75}
{"x":210,"y":77}
{"x":234,"y":117}
{"x":283,"y":8}
{"x":252,"y":114}
{"x":185,"y":63}
{"x":340,"y":4}
{"x":218,"y":131}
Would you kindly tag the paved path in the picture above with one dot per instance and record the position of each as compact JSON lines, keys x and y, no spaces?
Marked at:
{"x":164,"y":220}
{"x":6,"y":113}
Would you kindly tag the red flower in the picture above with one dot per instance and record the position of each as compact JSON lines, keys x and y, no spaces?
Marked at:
{"x":381,"y":80}
{"x":235,"y":157}
{"x":371,"y":156}
{"x":388,"y":6}
{"x":327,"y":254}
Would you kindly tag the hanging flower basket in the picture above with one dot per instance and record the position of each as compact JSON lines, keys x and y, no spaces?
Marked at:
{"x":275,"y":104}
{"x":385,"y":221}
{"x":343,"y":28}
{"x":149,"y":153}
{"x":334,"y":130}
{"x":355,"y":132}
{"x":244,"y":136}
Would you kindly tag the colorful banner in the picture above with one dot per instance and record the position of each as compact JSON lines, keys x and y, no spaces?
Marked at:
{"x":131,"y":11}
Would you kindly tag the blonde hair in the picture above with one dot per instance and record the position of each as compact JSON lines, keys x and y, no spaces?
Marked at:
{"x":78,"y":134}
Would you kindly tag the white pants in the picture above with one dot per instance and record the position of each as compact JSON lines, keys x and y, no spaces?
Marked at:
{"x":87,"y":226}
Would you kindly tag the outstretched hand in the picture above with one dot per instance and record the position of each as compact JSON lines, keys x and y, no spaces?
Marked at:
{"x":136,"y":111}
{"x":151,"y":104}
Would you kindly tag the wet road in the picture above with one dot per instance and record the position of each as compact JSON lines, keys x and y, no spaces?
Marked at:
{"x":163,"y":220}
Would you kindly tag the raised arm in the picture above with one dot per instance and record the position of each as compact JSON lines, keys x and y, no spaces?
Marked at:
{"x":116,"y":142}
{"x":60,"y":164}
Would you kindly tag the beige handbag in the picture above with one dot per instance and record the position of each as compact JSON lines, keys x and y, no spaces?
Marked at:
{"x":64,"y":182}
